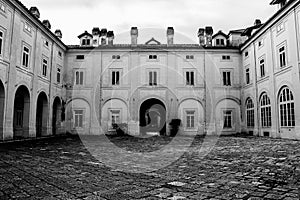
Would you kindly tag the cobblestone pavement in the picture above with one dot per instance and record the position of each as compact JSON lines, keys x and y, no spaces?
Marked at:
{"x":235,"y":168}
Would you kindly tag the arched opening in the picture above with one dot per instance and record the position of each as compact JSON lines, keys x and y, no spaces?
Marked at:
{"x":152,"y":117}
{"x":2,"y":100}
{"x":42,"y":112}
{"x":21,"y":112}
{"x":56,"y":116}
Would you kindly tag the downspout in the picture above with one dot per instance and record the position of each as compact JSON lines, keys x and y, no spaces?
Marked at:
{"x":50,"y":86}
{"x":205,"y":90}
{"x":256,"y":88}
{"x":297,"y":40}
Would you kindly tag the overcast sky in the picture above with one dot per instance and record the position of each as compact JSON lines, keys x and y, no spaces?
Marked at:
{"x":152,"y":17}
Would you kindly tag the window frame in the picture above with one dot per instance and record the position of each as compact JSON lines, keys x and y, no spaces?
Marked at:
{"x":227,"y":83}
{"x":114,"y":82}
{"x":79,"y":82}
{"x":247,"y":76}
{"x":191,"y":75}
{"x":44,"y":66}
{"x":75,"y":119}
{"x":2,"y":39}
{"x":285,"y":102}
{"x":25,"y":54}
{"x":250,"y":116}
{"x":58,"y":74}
{"x":280,"y":57}
{"x":262,"y":65}
{"x":265,"y":110}
{"x":224,"y":114}
{"x":153,"y":80}
{"x":190,"y":119}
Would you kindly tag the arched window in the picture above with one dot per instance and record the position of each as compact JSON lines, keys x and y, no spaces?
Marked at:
{"x":286,"y":108}
{"x":250,"y":113}
{"x":265,"y":111}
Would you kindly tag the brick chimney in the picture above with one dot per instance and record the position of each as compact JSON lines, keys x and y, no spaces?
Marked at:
{"x":47,"y":24}
{"x":110,"y":37}
{"x":134,"y":35}
{"x":208,"y":36}
{"x":201,"y":36}
{"x":170,"y":35}
{"x":103,"y":36}
{"x":35,"y":12}
{"x":96,"y":36}
{"x":58,"y":33}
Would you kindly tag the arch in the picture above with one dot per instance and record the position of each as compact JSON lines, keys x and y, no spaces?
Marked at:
{"x":77,"y":98}
{"x":190,"y":98}
{"x":152,"y":116}
{"x":286,"y":107}
{"x":265,"y":110}
{"x":115,"y":98}
{"x":228,"y":97}
{"x":56,"y":115}
{"x":2,"y":105}
{"x":21,"y":112}
{"x":42,"y":114}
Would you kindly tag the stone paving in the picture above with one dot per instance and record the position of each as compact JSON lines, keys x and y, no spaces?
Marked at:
{"x":234,"y":168}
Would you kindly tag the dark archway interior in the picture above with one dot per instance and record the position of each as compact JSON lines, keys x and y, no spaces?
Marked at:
{"x":56,"y":116}
{"x":152,"y":117}
{"x":2,"y":100}
{"x":41,"y":114}
{"x":21,"y":112}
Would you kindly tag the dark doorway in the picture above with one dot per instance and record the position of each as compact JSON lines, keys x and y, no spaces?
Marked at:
{"x":21,"y":113}
{"x":152,"y":117}
{"x":41,"y":115}
{"x":56,"y":116}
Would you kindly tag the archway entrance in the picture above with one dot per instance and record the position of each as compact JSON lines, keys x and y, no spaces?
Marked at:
{"x":56,"y":116}
{"x":21,"y":112}
{"x":41,"y":114}
{"x":152,"y":117}
{"x":2,"y":100}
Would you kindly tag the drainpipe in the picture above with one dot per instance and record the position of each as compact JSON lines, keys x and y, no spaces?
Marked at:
{"x":256,"y":88}
{"x":50,"y":86}
{"x":297,"y":39}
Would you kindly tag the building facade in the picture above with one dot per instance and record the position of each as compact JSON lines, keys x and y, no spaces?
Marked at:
{"x":244,"y":81}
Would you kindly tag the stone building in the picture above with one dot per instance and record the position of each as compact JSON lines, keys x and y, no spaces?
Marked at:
{"x":244,"y":81}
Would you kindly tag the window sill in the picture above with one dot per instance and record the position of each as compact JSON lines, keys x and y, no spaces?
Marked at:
{"x":282,"y":70}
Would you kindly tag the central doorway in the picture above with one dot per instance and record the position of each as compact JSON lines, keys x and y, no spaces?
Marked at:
{"x":152,"y":117}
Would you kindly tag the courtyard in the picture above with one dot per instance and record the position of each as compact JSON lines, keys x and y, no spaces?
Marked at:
{"x":235,"y":167}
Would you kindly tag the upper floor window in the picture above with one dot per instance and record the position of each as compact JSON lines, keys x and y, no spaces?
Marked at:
{"x":189,"y":57}
{"x":246,"y":54}
{"x":59,"y":54}
{"x":153,"y":78}
{"x":86,"y":42}
{"x":27,"y":27}
{"x":1,"y":42}
{"x":115,"y":78}
{"x":44,"y":67}
{"x":189,"y":75}
{"x":280,"y":27}
{"x":262,"y":67}
{"x":80,"y":57}
{"x":265,"y":111}
{"x":2,"y":7}
{"x":260,"y":43}
{"x":78,"y":118}
{"x":247,"y":76}
{"x":226,"y":78}
{"x":250,"y":113}
{"x":46,"y":43}
{"x":227,"y":118}
{"x":282,"y":56}
{"x":190,"y":119}
{"x":152,"y":57}
{"x":79,"y":77}
{"x":25,"y":56}
{"x":286,"y":108}
{"x":115,"y":116}
{"x":116,"y":57}
{"x":58,"y":74}
{"x":225,"y":57}
{"x":220,"y":42}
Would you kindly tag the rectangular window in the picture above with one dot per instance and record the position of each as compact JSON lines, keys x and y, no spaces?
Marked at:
{"x":44,"y":67}
{"x":280,"y":28}
{"x":2,"y":7}
{"x":262,"y":67}
{"x":46,"y":43}
{"x":226,"y":78}
{"x":59,"y":54}
{"x":190,"y":119}
{"x":86,"y":42}
{"x":78,"y":118}
{"x":25,"y":58}
{"x":27,"y":27}
{"x":246,"y":54}
{"x":225,"y":57}
{"x":115,"y":78}
{"x":247,"y":76}
{"x":152,"y":57}
{"x":190,"y":78}
{"x":189,"y":57}
{"x":282,"y":56}
{"x":80,"y":57}
{"x":58,"y":74}
{"x":152,"y":78}
{"x":79,"y":78}
{"x":115,"y":116}
{"x":116,"y":57}
{"x":227,"y":117}
{"x":1,"y":42}
{"x":220,"y":42}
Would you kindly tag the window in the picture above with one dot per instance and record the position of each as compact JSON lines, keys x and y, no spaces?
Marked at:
{"x":189,"y":57}
{"x":152,"y":78}
{"x":190,"y":78}
{"x":60,"y":54}
{"x":280,"y":27}
{"x":44,"y":67}
{"x":115,"y":78}
{"x":58,"y":74}
{"x":227,"y":117}
{"x":27,"y":27}
{"x":282,"y":56}
{"x":116,"y":57}
{"x":152,"y":57}
{"x":265,"y":111}
{"x":250,"y":113}
{"x":225,"y":57}
{"x":190,"y":119}
{"x":25,"y":57}
{"x":80,"y":57}
{"x":262,"y":68}
{"x":79,"y":77}
{"x":287,"y":108}
{"x":220,"y":42}
{"x":86,"y":42}
{"x":78,"y":118}
{"x":226,"y":78}
{"x":115,"y":116}
{"x":1,"y":42}
{"x":260,"y":43}
{"x":46,"y":43}
{"x":247,"y":76}
{"x":2,"y":7}
{"x":246,"y":54}
{"x":19,"y":117}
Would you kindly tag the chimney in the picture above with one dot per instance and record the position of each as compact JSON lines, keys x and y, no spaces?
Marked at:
{"x":103,"y":36}
{"x":35,"y":12}
{"x":201,"y":36}
{"x":257,"y":22}
{"x":47,"y":24}
{"x":170,"y":35}
{"x":134,"y":35}
{"x":110,"y":37}
{"x":96,"y":36}
{"x":208,"y":36}
{"x":58,"y":33}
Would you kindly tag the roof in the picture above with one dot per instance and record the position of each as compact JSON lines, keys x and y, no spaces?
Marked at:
{"x":153,"y":40}
{"x":239,"y":31}
{"x":273,"y":2}
{"x":84,"y":34}
{"x":248,"y":31}
{"x":220,"y":33}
